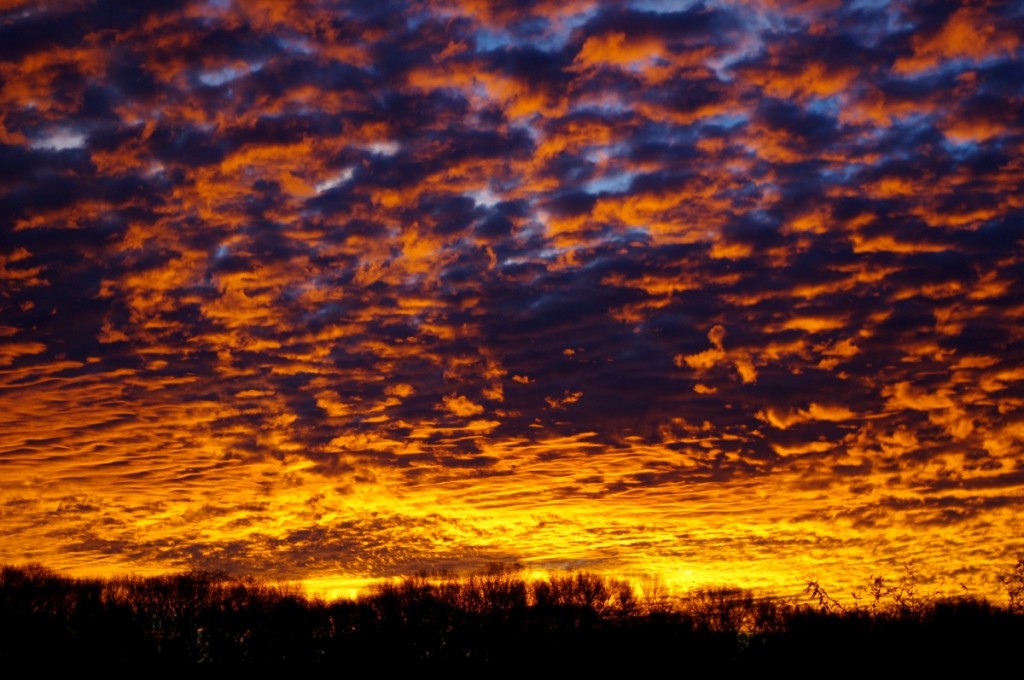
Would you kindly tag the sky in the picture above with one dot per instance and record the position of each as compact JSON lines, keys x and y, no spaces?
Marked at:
{"x":338,"y":291}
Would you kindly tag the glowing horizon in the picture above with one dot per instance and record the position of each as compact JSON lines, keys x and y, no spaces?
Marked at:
{"x":729,"y":293}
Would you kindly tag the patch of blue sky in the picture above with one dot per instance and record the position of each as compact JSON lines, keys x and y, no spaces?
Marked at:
{"x":537,"y":33}
{"x":226,"y":74}
{"x":632,"y":235}
{"x":955,"y":67}
{"x":905,"y":127}
{"x":748,"y":47}
{"x":488,"y":41}
{"x":960,"y":149}
{"x":842,"y":174}
{"x":562,"y":30}
{"x":553,"y":253}
{"x":295,"y":45}
{"x":609,"y":106}
{"x":665,"y":6}
{"x":540,"y":33}
{"x":727,"y":120}
{"x":527,"y":126}
{"x":618,"y":182}
{"x":826,"y":106}
{"x":414,"y":19}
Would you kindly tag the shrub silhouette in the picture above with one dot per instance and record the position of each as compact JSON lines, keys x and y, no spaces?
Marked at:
{"x":1013,"y":583}
{"x":723,"y":609}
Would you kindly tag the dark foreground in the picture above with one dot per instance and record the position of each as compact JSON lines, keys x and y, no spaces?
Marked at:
{"x":497,"y":620}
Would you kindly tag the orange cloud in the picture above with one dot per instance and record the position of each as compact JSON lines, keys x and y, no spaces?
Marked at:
{"x":461,"y":406}
{"x":703,"y":361}
{"x":970,"y":32}
{"x":784,"y":419}
{"x":616,"y":49}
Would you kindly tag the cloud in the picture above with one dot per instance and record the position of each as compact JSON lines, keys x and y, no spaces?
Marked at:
{"x":461,"y":406}
{"x":394,"y":287}
{"x":717,"y":354}
{"x":815,"y":412}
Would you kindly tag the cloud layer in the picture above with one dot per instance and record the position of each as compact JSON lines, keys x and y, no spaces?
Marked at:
{"x":728,"y":291}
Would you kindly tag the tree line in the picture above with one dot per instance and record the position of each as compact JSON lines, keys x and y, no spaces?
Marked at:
{"x":497,"y":618}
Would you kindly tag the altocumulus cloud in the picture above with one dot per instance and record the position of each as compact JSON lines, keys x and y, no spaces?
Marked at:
{"x":724,"y":290}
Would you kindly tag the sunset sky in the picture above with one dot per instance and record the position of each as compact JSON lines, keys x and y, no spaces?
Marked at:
{"x":334,"y":291}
